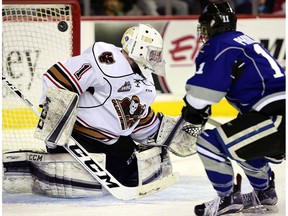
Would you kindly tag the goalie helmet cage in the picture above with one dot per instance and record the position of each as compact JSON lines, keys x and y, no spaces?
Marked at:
{"x":35,"y":35}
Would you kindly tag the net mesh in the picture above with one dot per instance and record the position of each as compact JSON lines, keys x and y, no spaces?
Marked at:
{"x":34,"y":37}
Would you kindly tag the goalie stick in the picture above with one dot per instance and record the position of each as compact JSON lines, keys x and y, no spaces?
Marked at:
{"x":112,"y":185}
{"x":172,"y":133}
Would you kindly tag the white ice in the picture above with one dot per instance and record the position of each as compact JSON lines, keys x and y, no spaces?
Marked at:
{"x":178,"y":200}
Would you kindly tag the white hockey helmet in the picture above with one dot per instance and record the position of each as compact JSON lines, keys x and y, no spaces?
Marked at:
{"x":144,"y":45}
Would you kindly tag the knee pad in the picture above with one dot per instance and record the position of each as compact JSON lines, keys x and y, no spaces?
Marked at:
{"x":153,"y":163}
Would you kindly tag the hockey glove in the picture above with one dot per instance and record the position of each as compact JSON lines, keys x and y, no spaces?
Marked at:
{"x":195,"y":116}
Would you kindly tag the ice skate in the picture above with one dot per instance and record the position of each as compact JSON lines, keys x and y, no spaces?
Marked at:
{"x":261,"y":201}
{"x":223,"y":205}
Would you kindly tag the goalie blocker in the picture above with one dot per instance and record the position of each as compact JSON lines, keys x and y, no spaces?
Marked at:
{"x":57,"y":118}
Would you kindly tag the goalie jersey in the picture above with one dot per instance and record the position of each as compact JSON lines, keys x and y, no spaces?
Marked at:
{"x":234,"y":66}
{"x":114,"y":100}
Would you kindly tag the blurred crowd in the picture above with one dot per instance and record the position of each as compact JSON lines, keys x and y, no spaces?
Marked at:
{"x":175,"y":7}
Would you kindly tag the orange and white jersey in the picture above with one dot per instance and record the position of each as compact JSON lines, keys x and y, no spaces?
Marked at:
{"x":114,"y":101}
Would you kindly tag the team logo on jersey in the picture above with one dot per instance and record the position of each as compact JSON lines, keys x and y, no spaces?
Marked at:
{"x":129,"y":110}
{"x":137,"y":82}
{"x":126,"y":87}
{"x":107,"y":58}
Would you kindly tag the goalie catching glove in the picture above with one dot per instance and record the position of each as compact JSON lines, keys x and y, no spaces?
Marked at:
{"x":183,"y":136}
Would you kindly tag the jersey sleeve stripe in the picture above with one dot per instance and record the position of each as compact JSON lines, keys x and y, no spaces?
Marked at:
{"x":53,"y":81}
{"x":60,"y":77}
{"x":137,"y":129}
{"x":204,"y":93}
{"x":71,"y":78}
{"x":149,"y":120}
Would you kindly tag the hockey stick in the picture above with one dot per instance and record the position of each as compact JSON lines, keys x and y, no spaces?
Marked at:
{"x":213,"y":122}
{"x":104,"y":177}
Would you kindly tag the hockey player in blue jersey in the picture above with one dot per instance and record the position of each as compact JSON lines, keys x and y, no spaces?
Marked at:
{"x":231,"y":64}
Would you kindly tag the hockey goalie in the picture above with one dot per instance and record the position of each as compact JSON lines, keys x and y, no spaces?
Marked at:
{"x":102,"y":100}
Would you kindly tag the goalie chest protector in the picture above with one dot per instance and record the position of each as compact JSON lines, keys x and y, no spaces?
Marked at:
{"x":106,"y":84}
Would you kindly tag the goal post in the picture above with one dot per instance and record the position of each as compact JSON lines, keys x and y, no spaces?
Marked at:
{"x":35,"y":35}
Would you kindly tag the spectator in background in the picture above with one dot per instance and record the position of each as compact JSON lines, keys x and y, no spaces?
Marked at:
{"x":266,"y":6}
{"x":82,"y":8}
{"x":142,"y":7}
{"x":113,"y":8}
{"x":272,"y":6}
{"x":279,"y":7}
{"x":195,"y":6}
{"x":178,"y":7}
{"x":127,"y":5}
{"x":158,"y":7}
{"x":239,"y":6}
{"x":242,"y":6}
{"x":103,"y":8}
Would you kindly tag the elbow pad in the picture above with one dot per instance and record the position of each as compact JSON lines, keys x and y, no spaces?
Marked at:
{"x":196,"y":116}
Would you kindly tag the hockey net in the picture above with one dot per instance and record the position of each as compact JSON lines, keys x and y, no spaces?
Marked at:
{"x":35,"y":35}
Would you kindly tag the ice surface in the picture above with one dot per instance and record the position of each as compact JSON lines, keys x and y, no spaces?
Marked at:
{"x":177,"y":200}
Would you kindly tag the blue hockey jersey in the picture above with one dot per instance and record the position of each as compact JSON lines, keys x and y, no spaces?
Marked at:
{"x":234,"y":66}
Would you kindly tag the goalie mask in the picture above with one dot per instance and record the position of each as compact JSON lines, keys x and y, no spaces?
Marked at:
{"x":216,"y":18}
{"x":144,"y":45}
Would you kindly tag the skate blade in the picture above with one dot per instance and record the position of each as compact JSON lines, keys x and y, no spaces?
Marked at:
{"x":260,"y":209}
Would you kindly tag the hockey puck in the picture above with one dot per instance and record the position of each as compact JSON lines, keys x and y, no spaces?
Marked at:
{"x":62,"y":26}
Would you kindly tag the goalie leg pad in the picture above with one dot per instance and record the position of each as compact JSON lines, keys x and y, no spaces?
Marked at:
{"x":57,"y":117}
{"x":56,"y":175}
